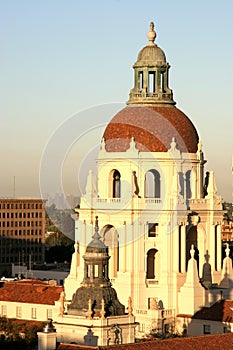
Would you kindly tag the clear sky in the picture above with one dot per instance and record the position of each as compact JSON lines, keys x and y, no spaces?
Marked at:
{"x":61,"y":57}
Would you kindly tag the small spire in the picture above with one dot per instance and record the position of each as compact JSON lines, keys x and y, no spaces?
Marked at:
{"x":96,"y":234}
{"x":130,"y":307}
{"x":192,"y":251}
{"x":151,"y":35}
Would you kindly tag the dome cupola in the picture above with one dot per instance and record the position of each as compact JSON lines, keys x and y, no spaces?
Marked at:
{"x":151,"y":75}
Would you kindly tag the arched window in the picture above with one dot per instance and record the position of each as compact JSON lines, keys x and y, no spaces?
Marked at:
{"x":116,"y":184}
{"x":150,"y":264}
{"x":152,"y":184}
{"x":111,"y":240}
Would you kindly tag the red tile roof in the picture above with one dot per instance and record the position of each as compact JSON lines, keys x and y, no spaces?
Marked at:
{"x":152,"y":128}
{"x":205,"y":342}
{"x":30,"y":291}
{"x":221,"y":311}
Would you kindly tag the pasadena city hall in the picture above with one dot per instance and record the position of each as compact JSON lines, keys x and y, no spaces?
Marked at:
{"x":154,"y":206}
{"x":148,"y":254}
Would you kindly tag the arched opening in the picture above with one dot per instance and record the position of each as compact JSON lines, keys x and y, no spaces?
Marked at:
{"x":191,"y":238}
{"x":162,"y":82}
{"x":116,"y":184}
{"x":150,"y":264}
{"x":140,"y":81}
{"x":151,"y":81}
{"x":110,"y":239}
{"x":152,"y":184}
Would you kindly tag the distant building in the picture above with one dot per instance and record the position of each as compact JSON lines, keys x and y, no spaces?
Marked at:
{"x":22,"y":231}
{"x":62,"y":201}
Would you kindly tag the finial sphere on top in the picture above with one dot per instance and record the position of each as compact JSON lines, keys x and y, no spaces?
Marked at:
{"x":151,"y":34}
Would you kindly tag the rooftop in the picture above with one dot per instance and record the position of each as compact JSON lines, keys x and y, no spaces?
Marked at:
{"x":205,"y":342}
{"x":30,"y":292}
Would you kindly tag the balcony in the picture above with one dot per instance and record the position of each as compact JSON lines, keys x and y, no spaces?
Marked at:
{"x":123,"y":203}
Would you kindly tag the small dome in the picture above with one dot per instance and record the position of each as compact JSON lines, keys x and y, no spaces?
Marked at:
{"x":96,"y":246}
{"x":151,"y":55}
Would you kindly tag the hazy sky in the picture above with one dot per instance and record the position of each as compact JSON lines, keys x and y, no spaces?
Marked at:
{"x":66,"y":58}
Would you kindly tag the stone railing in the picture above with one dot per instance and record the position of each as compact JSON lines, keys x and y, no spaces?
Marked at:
{"x":157,"y":95}
{"x":124,"y":203}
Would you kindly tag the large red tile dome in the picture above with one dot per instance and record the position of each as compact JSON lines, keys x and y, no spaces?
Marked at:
{"x":152,"y":127}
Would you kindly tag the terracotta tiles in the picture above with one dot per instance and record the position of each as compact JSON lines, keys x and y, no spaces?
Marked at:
{"x":221,"y":311}
{"x":152,"y":128}
{"x":205,"y":342}
{"x":30,"y":291}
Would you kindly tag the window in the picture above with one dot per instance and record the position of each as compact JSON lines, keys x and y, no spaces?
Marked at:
{"x":206,"y":329}
{"x":33,"y":312}
{"x":152,"y":229}
{"x":4,"y":310}
{"x":49,"y":314}
{"x":116,"y":184}
{"x":150,"y":262}
{"x":142,"y":327}
{"x":18,"y":311}
{"x":152,"y":184}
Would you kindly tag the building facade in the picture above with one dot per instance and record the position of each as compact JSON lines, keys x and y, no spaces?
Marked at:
{"x":22,"y":231}
{"x":155,"y":201}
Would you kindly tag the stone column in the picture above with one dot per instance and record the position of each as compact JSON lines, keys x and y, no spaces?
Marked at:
{"x":219,"y":250}
{"x":122,"y":231}
{"x":183,"y":248}
{"x":47,"y":340}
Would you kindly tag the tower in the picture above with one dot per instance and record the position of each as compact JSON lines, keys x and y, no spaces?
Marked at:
{"x":152,"y":198}
{"x":96,"y":287}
